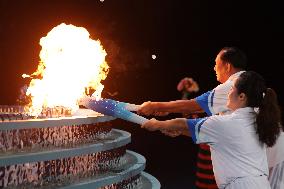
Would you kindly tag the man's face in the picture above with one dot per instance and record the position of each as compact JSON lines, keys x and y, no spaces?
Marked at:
{"x":220,"y":69}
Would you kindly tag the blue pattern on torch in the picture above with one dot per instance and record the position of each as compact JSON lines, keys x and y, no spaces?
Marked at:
{"x":113,"y":108}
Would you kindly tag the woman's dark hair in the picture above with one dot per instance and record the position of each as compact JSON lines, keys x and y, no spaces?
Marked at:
{"x":269,"y":116}
{"x":234,"y":56}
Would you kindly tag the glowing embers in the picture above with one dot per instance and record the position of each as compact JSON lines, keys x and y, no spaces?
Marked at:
{"x":39,"y":139}
{"x":10,"y":117}
{"x":60,"y":172}
{"x":9,"y":113}
{"x":6,"y":109}
{"x":58,"y":111}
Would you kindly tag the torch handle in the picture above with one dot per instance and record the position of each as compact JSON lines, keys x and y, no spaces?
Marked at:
{"x":136,"y":119}
{"x":130,"y":107}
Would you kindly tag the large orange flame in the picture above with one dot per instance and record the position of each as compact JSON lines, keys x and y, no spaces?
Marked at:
{"x":71,"y":64}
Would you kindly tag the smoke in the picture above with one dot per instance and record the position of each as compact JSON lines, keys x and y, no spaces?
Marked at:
{"x":125,"y":59}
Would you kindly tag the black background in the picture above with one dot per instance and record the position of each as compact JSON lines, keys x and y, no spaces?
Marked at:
{"x":184,"y":35}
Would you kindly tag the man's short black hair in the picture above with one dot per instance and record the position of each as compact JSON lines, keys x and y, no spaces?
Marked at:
{"x":234,"y":56}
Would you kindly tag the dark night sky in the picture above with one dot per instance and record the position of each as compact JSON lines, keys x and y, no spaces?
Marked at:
{"x":185,"y":36}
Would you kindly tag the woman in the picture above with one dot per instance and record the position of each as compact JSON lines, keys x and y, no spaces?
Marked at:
{"x":238,"y":141}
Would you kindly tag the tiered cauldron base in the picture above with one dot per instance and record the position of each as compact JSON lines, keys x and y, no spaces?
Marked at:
{"x":68,"y":152}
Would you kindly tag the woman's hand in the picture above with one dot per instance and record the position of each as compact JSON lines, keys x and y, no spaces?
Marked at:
{"x":151,"y":125}
{"x":171,"y":133}
{"x":173,"y":127}
{"x":154,"y":125}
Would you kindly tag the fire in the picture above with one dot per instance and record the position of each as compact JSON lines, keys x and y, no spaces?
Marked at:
{"x":71,"y":64}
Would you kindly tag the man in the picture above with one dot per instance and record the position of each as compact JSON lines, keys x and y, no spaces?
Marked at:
{"x":230,"y":63}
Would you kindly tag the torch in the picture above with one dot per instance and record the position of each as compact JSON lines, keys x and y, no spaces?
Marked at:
{"x":114,"y":108}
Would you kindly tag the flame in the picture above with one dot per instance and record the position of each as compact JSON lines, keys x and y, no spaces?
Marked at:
{"x":71,"y":63}
{"x":25,"y":76}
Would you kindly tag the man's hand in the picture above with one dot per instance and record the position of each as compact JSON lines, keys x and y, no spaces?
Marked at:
{"x":150,"y":108}
{"x":146,"y":108}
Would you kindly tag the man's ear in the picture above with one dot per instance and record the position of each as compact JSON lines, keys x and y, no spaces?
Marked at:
{"x":242,"y":97}
{"x":228,"y":67}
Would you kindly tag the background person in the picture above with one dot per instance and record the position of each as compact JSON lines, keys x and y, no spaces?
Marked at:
{"x":204,"y":171}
